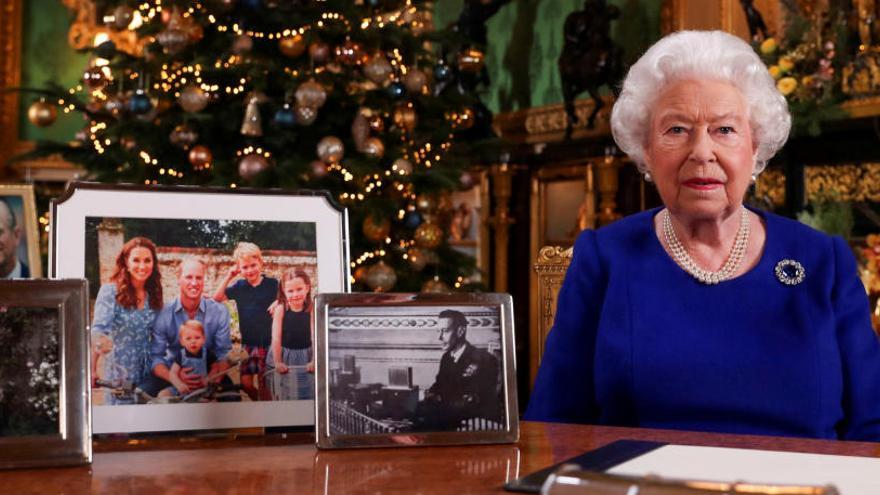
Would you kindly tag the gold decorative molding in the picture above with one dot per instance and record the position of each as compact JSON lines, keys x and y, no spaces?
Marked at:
{"x":771,"y":186}
{"x":862,"y":107}
{"x":547,"y":124}
{"x":10,"y":75}
{"x":549,"y":269}
{"x":86,"y":25}
{"x":850,"y":182}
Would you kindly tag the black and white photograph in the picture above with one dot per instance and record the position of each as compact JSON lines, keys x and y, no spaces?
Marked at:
{"x":43,"y":403}
{"x":210,"y":317}
{"x":414,"y":368}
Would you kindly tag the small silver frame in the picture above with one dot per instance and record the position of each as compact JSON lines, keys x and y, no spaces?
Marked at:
{"x":395,"y":318}
{"x":72,"y":445}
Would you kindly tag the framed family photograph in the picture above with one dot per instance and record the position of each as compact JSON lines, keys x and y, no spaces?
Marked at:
{"x":19,"y":235}
{"x":44,"y":392}
{"x":415,"y":369}
{"x":200,"y":300}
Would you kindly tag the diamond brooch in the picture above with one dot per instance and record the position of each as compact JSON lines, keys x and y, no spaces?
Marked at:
{"x":790,"y":272}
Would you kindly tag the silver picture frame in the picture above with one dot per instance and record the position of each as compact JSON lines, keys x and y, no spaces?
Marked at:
{"x":46,"y":314}
{"x":90,"y":225}
{"x":398,"y":370}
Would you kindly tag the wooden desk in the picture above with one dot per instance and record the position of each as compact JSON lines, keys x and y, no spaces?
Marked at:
{"x":268,"y":465}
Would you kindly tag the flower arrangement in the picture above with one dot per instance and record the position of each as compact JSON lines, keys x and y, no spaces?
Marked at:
{"x":805,"y":63}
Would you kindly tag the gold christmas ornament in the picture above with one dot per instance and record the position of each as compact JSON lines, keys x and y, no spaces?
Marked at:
{"x":415,"y":81}
{"x":405,"y":117}
{"x":376,"y":231}
{"x":95,"y":78}
{"x":428,"y":235}
{"x":183,"y":136}
{"x":331,"y":149}
{"x":310,"y":94}
{"x":319,"y":52}
{"x":127,"y":142}
{"x":360,"y":274}
{"x":115,"y":105}
{"x":42,"y":113}
{"x":252,"y":165}
{"x":292,"y":46}
{"x":416,"y":258}
{"x":381,"y":277}
{"x":402,"y":165}
{"x":193,"y":99}
{"x":471,"y":60}
{"x":252,"y":125}
{"x":305,"y":115}
{"x":200,"y":157}
{"x":435,"y":286}
{"x":378,"y":69}
{"x":173,"y":38}
{"x":374,"y":147}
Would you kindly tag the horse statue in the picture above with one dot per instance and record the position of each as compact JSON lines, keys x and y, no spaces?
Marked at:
{"x":589,"y":59}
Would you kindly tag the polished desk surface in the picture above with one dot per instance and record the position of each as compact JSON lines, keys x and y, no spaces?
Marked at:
{"x":291,"y":464}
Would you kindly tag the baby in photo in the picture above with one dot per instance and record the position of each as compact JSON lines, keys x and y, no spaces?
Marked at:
{"x":192,"y":355}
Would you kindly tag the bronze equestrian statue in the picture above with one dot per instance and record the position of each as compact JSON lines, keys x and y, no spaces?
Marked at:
{"x":589,"y":59}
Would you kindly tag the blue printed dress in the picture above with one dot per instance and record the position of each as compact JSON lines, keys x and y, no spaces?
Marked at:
{"x":129,"y":330}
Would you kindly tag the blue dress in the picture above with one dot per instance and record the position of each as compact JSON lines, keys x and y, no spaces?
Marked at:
{"x":639,"y":342}
{"x":129,"y":330}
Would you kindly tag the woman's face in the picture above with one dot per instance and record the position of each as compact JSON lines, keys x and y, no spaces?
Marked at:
{"x":296,"y":290}
{"x":139,"y":264}
{"x":700,"y":150}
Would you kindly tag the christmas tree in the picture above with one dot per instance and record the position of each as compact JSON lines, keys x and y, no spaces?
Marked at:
{"x":361,"y":98}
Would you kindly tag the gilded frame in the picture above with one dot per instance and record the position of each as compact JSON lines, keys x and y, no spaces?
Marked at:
{"x":73,"y":443}
{"x":29,"y":227}
{"x":402,"y":330}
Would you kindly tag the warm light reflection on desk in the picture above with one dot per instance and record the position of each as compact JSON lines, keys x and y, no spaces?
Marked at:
{"x":458,"y":469}
{"x":292,"y":464}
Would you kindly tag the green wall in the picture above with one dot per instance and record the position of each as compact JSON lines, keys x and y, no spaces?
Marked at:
{"x":525,"y":40}
{"x":46,"y":56}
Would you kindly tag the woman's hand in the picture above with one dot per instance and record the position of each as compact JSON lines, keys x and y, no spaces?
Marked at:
{"x":282,"y":368}
{"x":102,"y":344}
{"x":310,"y":366}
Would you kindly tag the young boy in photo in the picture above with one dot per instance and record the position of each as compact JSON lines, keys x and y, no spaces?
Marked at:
{"x":253,"y":294}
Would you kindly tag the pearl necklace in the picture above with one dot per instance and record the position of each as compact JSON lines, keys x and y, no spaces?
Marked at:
{"x":734,"y":259}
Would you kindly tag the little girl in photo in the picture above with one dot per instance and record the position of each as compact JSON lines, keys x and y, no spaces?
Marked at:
{"x":290,"y":352}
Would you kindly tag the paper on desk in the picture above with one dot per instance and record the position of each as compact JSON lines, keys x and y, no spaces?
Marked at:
{"x":851,"y":475}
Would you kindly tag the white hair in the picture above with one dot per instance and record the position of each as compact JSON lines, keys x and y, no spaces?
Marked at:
{"x":712,"y":55}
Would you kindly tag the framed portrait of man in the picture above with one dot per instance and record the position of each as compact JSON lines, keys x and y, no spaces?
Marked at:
{"x":200,"y":300}
{"x":19,"y":236}
{"x":415,"y":369}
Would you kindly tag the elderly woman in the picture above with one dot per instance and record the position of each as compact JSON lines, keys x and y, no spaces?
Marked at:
{"x":704,"y":314}
{"x":125,"y":310}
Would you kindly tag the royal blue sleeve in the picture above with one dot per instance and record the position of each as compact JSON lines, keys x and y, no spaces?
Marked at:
{"x":564,"y":389}
{"x":859,"y":349}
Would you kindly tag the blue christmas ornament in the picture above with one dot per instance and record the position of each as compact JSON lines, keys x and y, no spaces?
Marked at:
{"x":139,"y":103}
{"x":252,"y":4}
{"x":285,"y":117}
{"x":412,"y":219}
{"x":442,"y":72}
{"x":374,"y":3}
{"x":396,"y":90}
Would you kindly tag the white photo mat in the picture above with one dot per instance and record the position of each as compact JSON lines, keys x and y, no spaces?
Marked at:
{"x":67,"y":260}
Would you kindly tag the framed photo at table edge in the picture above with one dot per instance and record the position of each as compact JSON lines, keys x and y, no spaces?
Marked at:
{"x":193,"y":229}
{"x":44,"y":392}
{"x":397,"y":370}
{"x":18,"y":212}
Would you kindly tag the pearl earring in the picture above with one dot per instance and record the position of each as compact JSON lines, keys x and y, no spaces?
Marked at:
{"x":648,"y":177}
